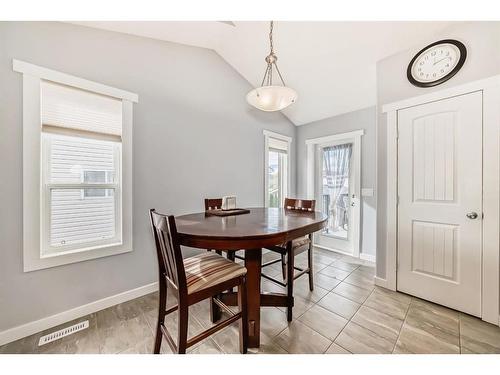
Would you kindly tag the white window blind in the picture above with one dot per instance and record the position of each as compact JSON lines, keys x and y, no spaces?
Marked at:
{"x":278,"y":144}
{"x":73,"y":108}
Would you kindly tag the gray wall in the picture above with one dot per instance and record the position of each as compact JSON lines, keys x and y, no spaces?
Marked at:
{"x":483,"y":60}
{"x":194,"y":136}
{"x":361,"y":119}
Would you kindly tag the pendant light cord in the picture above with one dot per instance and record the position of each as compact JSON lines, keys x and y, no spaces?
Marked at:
{"x":271,"y":37}
{"x":271,"y":60}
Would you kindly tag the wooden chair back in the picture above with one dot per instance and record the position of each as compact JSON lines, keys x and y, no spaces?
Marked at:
{"x":300,"y":204}
{"x":168,"y":250}
{"x":213,"y":204}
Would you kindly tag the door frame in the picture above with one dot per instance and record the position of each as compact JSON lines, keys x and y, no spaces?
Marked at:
{"x":490,"y":88}
{"x":311,"y":168}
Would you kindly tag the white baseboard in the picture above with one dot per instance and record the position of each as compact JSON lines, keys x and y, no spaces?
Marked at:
{"x":368,"y":257}
{"x":16,"y":333}
{"x":380,"y":282}
{"x":330,"y":249}
{"x":363,"y":256}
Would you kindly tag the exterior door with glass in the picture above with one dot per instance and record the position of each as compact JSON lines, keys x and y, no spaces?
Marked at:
{"x":337,"y":194}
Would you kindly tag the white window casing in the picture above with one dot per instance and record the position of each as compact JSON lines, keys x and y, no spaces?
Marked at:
{"x":77,"y":168}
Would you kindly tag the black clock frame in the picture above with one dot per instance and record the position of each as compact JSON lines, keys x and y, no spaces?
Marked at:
{"x":461,"y":61}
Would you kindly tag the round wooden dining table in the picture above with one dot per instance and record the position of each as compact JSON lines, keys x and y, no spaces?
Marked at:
{"x":260,"y":228}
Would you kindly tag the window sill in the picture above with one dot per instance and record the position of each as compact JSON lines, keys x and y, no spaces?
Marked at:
{"x":74,"y":256}
{"x":55,"y":253}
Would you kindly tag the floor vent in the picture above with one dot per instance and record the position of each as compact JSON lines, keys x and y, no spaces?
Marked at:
{"x":63,"y":332}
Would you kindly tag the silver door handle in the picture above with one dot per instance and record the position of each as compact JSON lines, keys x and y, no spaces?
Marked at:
{"x":472,"y":215}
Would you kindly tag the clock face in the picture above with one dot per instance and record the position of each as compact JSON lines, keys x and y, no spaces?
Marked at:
{"x":436,"y":63}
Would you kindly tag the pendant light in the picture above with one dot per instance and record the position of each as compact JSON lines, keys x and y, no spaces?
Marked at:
{"x":269,"y":97}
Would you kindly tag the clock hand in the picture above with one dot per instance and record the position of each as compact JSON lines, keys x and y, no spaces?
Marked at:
{"x":437,"y":62}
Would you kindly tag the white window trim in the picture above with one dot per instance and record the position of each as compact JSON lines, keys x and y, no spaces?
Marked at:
{"x":32,"y":190}
{"x":269,"y":134}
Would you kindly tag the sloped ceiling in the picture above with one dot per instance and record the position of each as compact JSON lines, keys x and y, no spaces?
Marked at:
{"x":330,"y":64}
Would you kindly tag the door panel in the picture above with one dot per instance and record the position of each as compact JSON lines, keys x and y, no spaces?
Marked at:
{"x":434,"y":250}
{"x":439,"y":182}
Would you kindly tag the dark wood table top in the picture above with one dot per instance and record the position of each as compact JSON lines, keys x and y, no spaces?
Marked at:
{"x":260,"y":228}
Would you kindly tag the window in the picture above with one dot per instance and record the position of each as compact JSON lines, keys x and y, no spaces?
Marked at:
{"x":76,"y":169}
{"x":97,"y":177}
{"x":277,"y":169}
{"x":80,"y":212}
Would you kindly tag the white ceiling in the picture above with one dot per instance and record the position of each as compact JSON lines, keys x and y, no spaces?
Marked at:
{"x":330,"y":64}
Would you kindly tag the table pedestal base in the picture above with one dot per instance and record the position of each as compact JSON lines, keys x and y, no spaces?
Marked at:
{"x":255,"y":298}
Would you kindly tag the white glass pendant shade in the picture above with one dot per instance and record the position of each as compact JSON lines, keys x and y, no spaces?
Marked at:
{"x":271,"y":98}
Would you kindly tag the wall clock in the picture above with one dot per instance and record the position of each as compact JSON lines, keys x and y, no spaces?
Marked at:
{"x":436,"y":63}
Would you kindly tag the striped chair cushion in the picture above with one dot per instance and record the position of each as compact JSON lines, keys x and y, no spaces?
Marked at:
{"x":298,"y":242}
{"x":208,"y":269}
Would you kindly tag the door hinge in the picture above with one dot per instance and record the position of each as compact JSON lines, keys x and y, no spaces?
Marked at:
{"x":397,"y":200}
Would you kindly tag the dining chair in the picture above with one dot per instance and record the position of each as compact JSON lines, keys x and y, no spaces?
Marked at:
{"x":216,"y":204}
{"x":289,"y":250}
{"x":192,"y":280}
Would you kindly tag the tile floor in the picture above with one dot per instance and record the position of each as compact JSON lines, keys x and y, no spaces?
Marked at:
{"x":344,"y":314}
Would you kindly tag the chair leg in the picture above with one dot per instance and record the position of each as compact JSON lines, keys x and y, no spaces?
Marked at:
{"x":242,"y":305}
{"x":310,"y":266}
{"x":289,"y":279}
{"x":161,"y":317}
{"x":231,"y":255}
{"x":182,"y":328}
{"x":283,"y":266}
{"x":215,"y":311}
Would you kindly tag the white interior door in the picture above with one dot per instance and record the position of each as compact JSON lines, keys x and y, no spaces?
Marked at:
{"x":440,"y":202}
{"x":337,"y":195}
